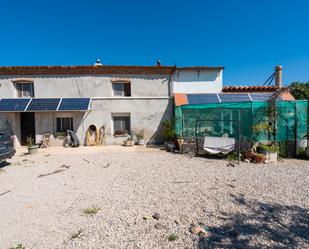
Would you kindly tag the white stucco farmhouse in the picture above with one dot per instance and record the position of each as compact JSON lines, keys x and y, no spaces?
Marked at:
{"x":52,"y":99}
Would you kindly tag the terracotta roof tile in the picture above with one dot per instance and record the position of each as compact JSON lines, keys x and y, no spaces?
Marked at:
{"x":250,"y":89}
{"x":79,"y":70}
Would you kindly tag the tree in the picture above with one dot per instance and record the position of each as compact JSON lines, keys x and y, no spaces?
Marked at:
{"x":300,"y":90}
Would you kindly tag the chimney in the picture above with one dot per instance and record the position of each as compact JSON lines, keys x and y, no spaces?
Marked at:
{"x":98,"y":62}
{"x":158,"y":63}
{"x":278,"y":76}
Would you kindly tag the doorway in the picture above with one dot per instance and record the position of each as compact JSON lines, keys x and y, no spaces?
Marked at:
{"x":27,"y":127}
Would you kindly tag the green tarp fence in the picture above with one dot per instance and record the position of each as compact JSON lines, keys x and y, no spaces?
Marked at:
{"x":291,"y":120}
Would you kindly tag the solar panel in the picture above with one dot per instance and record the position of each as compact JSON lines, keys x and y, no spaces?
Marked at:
{"x":43,"y":105}
{"x":234,"y":97}
{"x":194,"y":99}
{"x":13,"y":105}
{"x":260,"y":96}
{"x":74,"y":104}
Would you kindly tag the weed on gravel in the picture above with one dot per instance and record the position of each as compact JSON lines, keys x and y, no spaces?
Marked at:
{"x":19,"y":246}
{"x":91,"y":211}
{"x":172,"y":237}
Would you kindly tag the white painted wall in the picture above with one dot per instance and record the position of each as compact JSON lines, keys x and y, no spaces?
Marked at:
{"x":75,"y":86}
{"x":149,"y":106}
{"x":192,"y":81}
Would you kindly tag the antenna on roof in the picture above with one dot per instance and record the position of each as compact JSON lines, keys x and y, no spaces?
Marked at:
{"x":98,"y":62}
{"x":270,"y":79}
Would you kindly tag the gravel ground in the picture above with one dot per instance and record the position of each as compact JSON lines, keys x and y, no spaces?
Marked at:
{"x":43,"y":199}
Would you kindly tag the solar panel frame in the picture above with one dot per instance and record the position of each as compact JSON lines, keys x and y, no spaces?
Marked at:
{"x":234,"y":97}
{"x":261,"y":96}
{"x":43,"y":104}
{"x":74,"y":104}
{"x":13,"y":105}
{"x":199,"y":99}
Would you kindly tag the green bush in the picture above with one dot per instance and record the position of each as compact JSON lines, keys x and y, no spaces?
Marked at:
{"x":168,"y":131}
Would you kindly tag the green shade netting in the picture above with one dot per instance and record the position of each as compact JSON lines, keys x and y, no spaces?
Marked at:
{"x":251,"y":118}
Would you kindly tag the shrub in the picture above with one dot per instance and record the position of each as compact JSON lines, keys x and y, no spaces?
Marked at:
{"x":168,"y":132}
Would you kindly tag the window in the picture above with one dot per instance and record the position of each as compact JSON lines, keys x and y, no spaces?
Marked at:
{"x":121,"y":125}
{"x":24,"y":90}
{"x":122,"y":89}
{"x":63,"y":124}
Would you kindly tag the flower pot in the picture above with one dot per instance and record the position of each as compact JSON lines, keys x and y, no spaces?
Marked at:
{"x":140,"y":141}
{"x":171,"y":148}
{"x":33,"y":149}
{"x":272,"y":156}
{"x":250,"y":155}
{"x":259,"y":158}
{"x":128,"y":143}
{"x":180,"y":141}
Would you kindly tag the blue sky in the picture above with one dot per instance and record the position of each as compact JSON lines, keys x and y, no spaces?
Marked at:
{"x":247,"y":37}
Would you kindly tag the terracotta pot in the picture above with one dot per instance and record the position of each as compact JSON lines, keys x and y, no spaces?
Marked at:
{"x":250,"y":155}
{"x":259,"y":158}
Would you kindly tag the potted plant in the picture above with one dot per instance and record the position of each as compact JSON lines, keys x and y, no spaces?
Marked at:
{"x":250,"y":155}
{"x":32,"y":148}
{"x":169,"y":135}
{"x":129,"y":141}
{"x":140,"y":137}
{"x":270,"y":151}
{"x":259,"y":158}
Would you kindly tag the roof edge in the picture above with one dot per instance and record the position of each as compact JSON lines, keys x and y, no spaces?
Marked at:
{"x":251,"y":89}
{"x":88,"y":70}
{"x":98,"y":69}
{"x":201,"y":68}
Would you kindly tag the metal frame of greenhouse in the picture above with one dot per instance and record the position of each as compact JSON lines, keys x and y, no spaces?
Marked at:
{"x":264,"y":118}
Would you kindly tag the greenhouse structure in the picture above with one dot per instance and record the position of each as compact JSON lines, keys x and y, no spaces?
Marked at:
{"x":247,"y":117}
